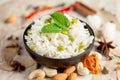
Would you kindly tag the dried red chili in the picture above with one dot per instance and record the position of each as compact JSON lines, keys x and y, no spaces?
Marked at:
{"x":41,"y":10}
{"x":37,"y":11}
{"x":67,"y":9}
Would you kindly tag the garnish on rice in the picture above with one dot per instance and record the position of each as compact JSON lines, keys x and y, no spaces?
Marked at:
{"x":58,"y":35}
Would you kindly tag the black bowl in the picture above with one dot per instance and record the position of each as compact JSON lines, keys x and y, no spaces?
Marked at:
{"x":61,"y":63}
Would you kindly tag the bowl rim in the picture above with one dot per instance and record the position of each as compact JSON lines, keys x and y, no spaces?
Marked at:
{"x":83,"y":53}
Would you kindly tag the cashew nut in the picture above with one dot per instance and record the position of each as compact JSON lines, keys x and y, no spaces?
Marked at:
{"x":6,"y":67}
{"x":50,"y":72}
{"x":98,"y":55}
{"x":37,"y":73}
{"x":82,"y":70}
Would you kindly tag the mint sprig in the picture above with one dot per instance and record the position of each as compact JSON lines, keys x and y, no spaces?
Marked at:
{"x":60,"y":23}
{"x":61,"y":20}
{"x":51,"y":28}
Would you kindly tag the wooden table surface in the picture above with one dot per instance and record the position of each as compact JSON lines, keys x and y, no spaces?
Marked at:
{"x":18,"y":8}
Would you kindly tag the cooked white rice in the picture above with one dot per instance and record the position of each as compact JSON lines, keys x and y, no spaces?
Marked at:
{"x":48,"y":44}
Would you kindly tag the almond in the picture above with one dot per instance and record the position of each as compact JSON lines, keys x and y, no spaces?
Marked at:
{"x":11,"y":19}
{"x":72,"y":76}
{"x":70,"y":70}
{"x":118,"y":63}
{"x":60,"y":76}
{"x":118,"y":67}
{"x":40,"y":78}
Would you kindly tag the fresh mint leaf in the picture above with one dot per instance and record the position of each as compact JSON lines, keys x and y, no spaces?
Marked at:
{"x":60,"y":23}
{"x":50,"y":28}
{"x":60,"y":20}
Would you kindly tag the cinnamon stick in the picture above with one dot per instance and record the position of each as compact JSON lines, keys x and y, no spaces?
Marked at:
{"x":84,"y":9}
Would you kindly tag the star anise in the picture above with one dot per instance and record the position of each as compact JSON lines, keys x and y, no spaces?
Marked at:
{"x":104,"y":47}
{"x":17,"y":66}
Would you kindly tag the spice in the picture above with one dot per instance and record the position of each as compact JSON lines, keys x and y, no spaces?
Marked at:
{"x":108,"y":58}
{"x":92,"y":63}
{"x":29,"y":7}
{"x":36,"y":7}
{"x":105,"y":70}
{"x":104,"y":47}
{"x":35,"y":12}
{"x":84,"y":9}
{"x":10,"y":37}
{"x":67,"y":9}
{"x":17,"y":66}
{"x":17,"y":38}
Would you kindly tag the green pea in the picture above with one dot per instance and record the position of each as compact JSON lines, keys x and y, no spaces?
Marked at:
{"x":71,"y":38}
{"x":60,"y":48}
{"x":29,"y":32}
{"x":49,"y":20}
{"x":81,"y":47}
{"x":74,"y":20}
{"x":64,"y":32}
{"x":32,"y":47}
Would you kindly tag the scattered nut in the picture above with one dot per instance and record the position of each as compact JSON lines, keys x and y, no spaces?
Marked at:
{"x":79,"y":65}
{"x":40,"y":78}
{"x":12,"y":44}
{"x":50,"y":72}
{"x":9,"y":54}
{"x":60,"y":76}
{"x":37,"y":73}
{"x":118,"y":63}
{"x":97,"y":54}
{"x":11,"y":19}
{"x":6,"y":67}
{"x":82,"y":70}
{"x":70,"y":70}
{"x":118,"y":67}
{"x":72,"y":76}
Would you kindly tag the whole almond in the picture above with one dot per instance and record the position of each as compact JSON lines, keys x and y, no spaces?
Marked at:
{"x":11,"y":19}
{"x":40,"y":78}
{"x":70,"y":70}
{"x":72,"y":76}
{"x":60,"y":76}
